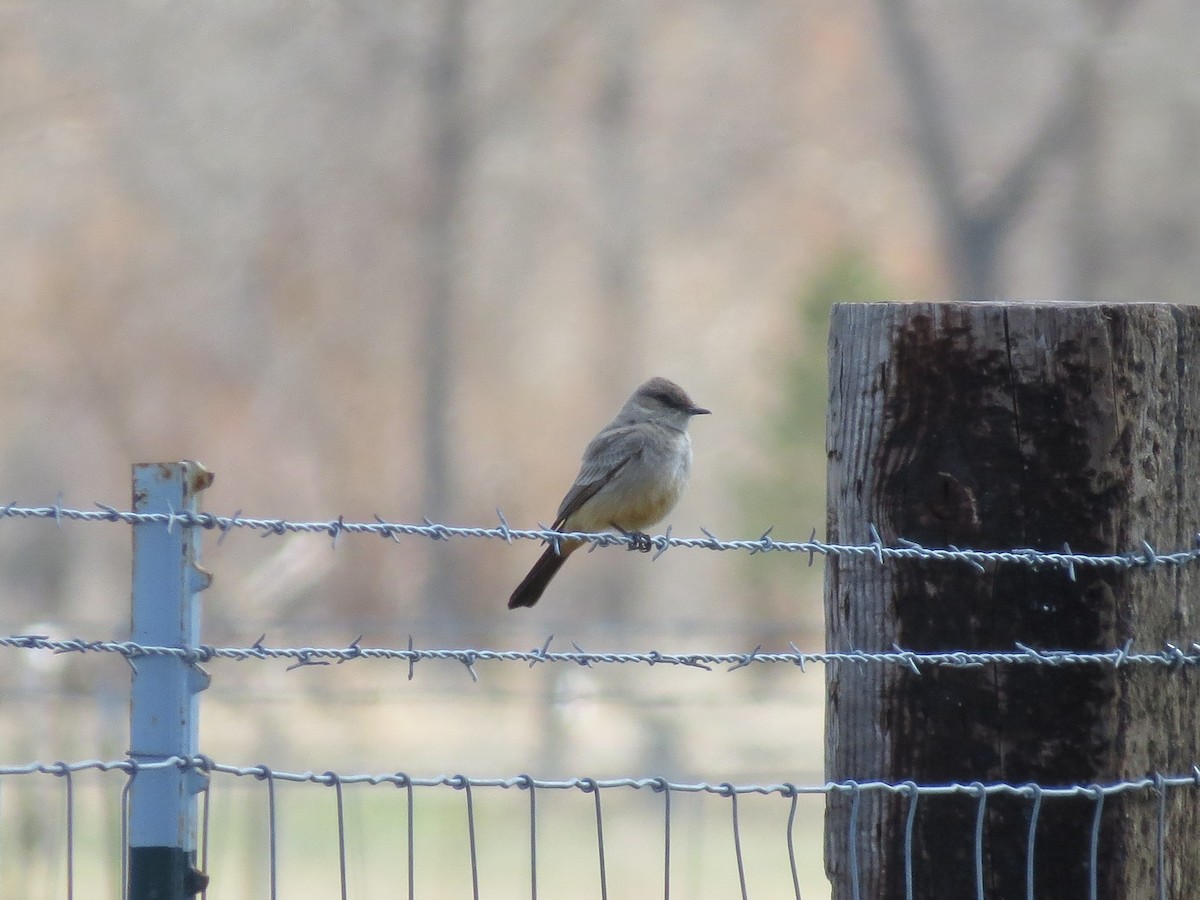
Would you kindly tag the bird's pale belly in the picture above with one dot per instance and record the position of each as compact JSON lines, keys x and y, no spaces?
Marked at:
{"x":636,"y":503}
{"x":650,"y":506}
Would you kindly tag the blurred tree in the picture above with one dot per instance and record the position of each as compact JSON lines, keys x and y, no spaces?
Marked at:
{"x":973,"y":232}
{"x":620,"y":252}
{"x":789,"y":495}
{"x":448,"y":148}
{"x":1085,"y":214}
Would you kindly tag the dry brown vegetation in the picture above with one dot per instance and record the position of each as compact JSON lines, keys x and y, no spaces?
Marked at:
{"x":367,"y":257}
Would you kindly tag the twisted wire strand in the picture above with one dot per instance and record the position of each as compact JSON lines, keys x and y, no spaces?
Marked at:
{"x":1144,"y":556}
{"x":1170,"y":657}
{"x":1153,"y":784}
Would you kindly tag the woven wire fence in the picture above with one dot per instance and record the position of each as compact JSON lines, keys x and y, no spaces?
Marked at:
{"x":1159,"y":786}
{"x":536,"y":834}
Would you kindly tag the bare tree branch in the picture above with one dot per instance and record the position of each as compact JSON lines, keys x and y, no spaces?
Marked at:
{"x":973,"y":234}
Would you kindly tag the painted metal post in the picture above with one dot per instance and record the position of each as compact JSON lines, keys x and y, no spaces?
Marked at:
{"x":164,"y":706}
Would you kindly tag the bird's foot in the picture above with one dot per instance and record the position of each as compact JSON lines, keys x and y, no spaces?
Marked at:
{"x":639,"y":540}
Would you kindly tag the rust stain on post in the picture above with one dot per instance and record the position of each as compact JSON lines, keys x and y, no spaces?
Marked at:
{"x":199,"y":478}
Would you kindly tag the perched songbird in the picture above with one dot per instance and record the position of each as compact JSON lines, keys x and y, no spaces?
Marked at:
{"x":632,"y":474}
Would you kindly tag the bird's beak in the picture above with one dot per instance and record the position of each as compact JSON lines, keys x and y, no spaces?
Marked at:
{"x":699,"y":411}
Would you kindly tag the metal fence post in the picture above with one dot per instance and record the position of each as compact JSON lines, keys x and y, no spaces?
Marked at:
{"x":163,"y":708}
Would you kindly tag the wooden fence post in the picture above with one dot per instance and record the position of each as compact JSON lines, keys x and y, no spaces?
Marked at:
{"x":993,"y":426}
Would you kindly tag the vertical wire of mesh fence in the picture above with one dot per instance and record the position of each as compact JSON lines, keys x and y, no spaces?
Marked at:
{"x":737,"y":838}
{"x":206,"y":797}
{"x":461,"y":782}
{"x":527,"y":783}
{"x":1094,"y":846}
{"x":791,"y":841}
{"x":406,"y":782}
{"x":914,"y":795}
{"x":591,"y":786}
{"x":125,"y":828}
{"x":852,"y":838}
{"x":267,"y":776}
{"x":665,"y":787}
{"x":1161,"y":837}
{"x":1031,"y":841}
{"x":66,"y":774}
{"x":980,"y":815}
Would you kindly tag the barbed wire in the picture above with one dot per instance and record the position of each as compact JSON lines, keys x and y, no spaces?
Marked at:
{"x":1171,"y":657}
{"x":206,"y":765}
{"x":1144,"y":556}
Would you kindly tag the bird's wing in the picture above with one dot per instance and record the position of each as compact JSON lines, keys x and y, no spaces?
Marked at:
{"x":607,"y":454}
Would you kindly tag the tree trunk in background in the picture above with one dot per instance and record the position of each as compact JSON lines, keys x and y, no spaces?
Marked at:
{"x":1084,"y":226}
{"x":443,"y":251}
{"x":973,"y":234}
{"x":620,"y":255}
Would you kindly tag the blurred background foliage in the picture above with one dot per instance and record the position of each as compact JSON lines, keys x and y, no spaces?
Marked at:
{"x":784,"y":493}
{"x":406,"y":258}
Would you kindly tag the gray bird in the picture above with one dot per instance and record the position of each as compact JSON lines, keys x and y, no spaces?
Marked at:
{"x":632,"y":474}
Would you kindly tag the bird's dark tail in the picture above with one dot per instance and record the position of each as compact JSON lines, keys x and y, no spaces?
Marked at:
{"x":529,"y":591}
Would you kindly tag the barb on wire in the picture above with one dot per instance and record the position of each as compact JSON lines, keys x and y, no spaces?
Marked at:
{"x":1171,"y":657}
{"x":1144,"y":556}
{"x":541,"y":653}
